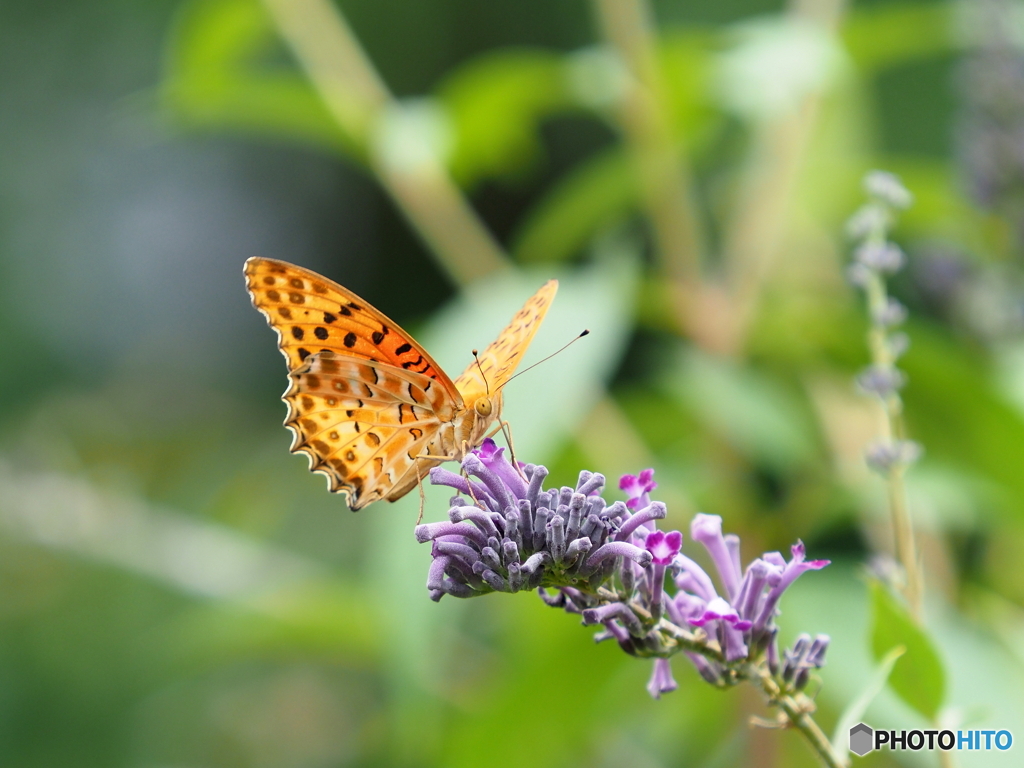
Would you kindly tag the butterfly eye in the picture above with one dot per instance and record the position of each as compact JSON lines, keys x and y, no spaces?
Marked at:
{"x":483,"y":406}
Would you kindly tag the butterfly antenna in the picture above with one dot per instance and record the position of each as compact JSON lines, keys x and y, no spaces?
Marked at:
{"x":583,"y":333}
{"x":476,"y":358}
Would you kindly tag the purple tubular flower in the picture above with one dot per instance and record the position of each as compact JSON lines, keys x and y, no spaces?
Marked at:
{"x":442,"y":476}
{"x":661,"y":679}
{"x":707,"y":529}
{"x":792,"y":572}
{"x":491,"y":456}
{"x":614,"y":612}
{"x":639,"y":556}
{"x":805,"y":655}
{"x":690,"y":577}
{"x":653,"y":511}
{"x":429,"y":531}
{"x":719,"y":609}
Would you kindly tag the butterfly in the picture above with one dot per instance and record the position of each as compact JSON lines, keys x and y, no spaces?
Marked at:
{"x":366,"y":403}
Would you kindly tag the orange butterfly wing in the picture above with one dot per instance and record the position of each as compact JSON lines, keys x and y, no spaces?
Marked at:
{"x":311,"y":314}
{"x":365,"y":399}
{"x":366,"y":425}
{"x":498,"y":362}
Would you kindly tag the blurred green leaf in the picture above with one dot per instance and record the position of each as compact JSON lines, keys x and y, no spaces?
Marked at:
{"x":329,"y":619}
{"x":759,"y":416}
{"x":940,"y":209}
{"x":597,"y":193}
{"x":854,"y":712}
{"x":882,"y":36}
{"x":919,"y":679}
{"x":496,"y":103}
{"x":226,"y":69}
{"x":956,"y":412}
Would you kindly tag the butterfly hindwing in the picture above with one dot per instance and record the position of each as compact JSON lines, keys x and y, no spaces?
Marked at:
{"x":363,"y":424}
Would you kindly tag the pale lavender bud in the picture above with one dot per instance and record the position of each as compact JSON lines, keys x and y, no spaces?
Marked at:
{"x":898,"y":344}
{"x":614,"y":612}
{"x":653,"y":511}
{"x":887,"y":188}
{"x":620,"y":549}
{"x":882,"y":381}
{"x":870,"y":219}
{"x":884,"y":457}
{"x":884,"y":257}
{"x":892,"y":314}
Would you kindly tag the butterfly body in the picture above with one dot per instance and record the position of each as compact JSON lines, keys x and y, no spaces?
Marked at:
{"x":366,"y":403}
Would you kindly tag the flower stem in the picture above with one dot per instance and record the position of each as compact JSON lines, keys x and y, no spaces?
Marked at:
{"x":661,"y":169}
{"x":797,"y":708}
{"x":892,"y":405}
{"x":357,"y":97}
{"x":798,"y":713}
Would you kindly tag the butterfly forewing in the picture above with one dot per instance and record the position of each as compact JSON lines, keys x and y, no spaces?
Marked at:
{"x":365,"y":424}
{"x":311,"y":313}
{"x":498,"y":361}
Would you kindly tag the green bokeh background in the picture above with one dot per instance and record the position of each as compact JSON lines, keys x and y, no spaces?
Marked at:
{"x":176,"y":591}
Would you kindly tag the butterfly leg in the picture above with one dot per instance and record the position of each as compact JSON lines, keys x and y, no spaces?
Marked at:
{"x":419,"y":484}
{"x":506,"y":429}
{"x":423,"y":498}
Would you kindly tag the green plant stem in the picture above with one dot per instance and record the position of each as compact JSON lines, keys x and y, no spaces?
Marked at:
{"x":660,"y":164}
{"x":756,"y":229}
{"x":798,"y":713}
{"x":358,"y":98}
{"x":903,"y":529}
{"x":796,"y":707}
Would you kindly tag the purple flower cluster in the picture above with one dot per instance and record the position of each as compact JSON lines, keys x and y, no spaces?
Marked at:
{"x":610,"y":564}
{"x":505,"y":533}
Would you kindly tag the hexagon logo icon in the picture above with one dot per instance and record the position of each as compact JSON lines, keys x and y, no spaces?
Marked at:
{"x":862,"y":739}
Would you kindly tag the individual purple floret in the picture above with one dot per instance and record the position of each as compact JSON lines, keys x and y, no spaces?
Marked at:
{"x":638,"y":487}
{"x":608,"y":564}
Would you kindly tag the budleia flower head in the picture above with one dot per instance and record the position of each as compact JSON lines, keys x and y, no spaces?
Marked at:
{"x":506,"y":533}
{"x":609,"y":564}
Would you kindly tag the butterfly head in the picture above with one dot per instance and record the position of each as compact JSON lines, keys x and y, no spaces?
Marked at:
{"x":473,"y":425}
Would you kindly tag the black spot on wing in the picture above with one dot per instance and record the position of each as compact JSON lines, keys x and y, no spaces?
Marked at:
{"x":407,"y":365}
